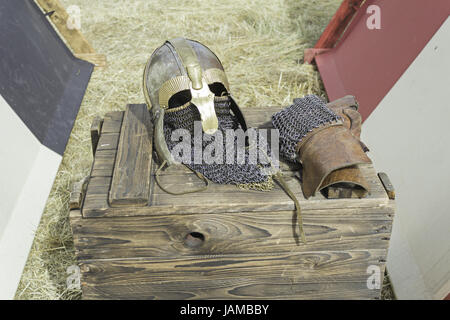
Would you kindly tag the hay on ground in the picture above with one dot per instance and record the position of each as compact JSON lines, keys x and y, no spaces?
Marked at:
{"x":260,"y":43}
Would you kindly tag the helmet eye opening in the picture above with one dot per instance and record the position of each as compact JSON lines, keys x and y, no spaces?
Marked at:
{"x":218,"y":89}
{"x":180,"y":98}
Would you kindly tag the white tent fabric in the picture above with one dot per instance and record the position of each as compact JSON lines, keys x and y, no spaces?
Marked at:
{"x":42,"y":85}
{"x":409,"y":134}
{"x":27,"y":171}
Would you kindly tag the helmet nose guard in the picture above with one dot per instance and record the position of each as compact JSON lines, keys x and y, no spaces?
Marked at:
{"x":202,"y":97}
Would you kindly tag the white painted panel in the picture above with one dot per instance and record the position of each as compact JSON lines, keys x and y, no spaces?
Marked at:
{"x":409,"y":134}
{"x":27,"y":171}
{"x":19,"y":148}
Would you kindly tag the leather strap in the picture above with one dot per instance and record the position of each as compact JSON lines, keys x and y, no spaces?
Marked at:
{"x":238,"y":113}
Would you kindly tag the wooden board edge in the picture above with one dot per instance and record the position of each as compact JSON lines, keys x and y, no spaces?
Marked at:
{"x":136,"y":201}
{"x":98,"y":60}
{"x":386,"y":182}
{"x":142,"y":273}
{"x":77,"y":194}
{"x":96,"y":128}
{"x":72,"y":36}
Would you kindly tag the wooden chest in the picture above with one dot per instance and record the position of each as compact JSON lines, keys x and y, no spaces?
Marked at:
{"x":134,"y":241}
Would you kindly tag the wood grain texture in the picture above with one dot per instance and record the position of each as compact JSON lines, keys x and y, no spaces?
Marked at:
{"x":76,"y":194}
{"x":312,"y":275}
{"x":98,"y":60}
{"x":112,"y":122}
{"x":96,"y":128}
{"x":108,"y":141}
{"x":387,"y":185}
{"x":59,"y":17}
{"x":72,"y":36}
{"x":231,"y":233}
{"x":249,"y":246}
{"x":231,"y":199}
{"x":233,"y":289}
{"x":103,"y":165}
{"x":130,"y":183}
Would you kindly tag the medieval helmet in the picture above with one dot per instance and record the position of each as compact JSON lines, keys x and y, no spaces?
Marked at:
{"x":184,"y":71}
{"x":185,"y":80}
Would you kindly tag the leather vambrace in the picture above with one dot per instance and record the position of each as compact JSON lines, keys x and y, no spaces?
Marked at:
{"x":330,"y":153}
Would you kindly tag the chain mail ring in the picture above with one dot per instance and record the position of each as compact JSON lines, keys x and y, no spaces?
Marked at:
{"x":297,"y":120}
{"x":243,"y":174}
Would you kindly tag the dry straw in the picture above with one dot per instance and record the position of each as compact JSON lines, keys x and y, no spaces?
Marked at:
{"x":260,"y":43}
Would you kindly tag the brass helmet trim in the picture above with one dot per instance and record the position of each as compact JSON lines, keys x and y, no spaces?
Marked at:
{"x":180,"y":83}
{"x":190,"y":61}
{"x":184,"y":106}
{"x":202,"y":97}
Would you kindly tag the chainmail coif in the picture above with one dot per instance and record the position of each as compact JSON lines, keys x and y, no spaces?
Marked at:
{"x":297,"y":120}
{"x":246,"y":175}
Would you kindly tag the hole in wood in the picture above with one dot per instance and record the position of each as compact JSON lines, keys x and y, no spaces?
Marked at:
{"x":194,"y":239}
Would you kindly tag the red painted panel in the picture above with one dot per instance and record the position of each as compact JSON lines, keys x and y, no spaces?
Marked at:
{"x":367,"y":63}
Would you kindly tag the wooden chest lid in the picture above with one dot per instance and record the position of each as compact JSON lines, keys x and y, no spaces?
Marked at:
{"x":122,"y":179}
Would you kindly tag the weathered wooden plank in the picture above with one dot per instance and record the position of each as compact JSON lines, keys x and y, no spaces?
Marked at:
{"x":309,"y":275}
{"x":247,"y":289}
{"x":114,"y":115}
{"x":96,"y":203}
{"x":98,"y":60}
{"x":103,"y":165}
{"x":112,"y":122}
{"x":71,"y":35}
{"x":225,"y":198}
{"x":131,"y":176}
{"x":387,"y":185}
{"x":108,"y":141}
{"x":59,"y":17}
{"x":322,"y":266}
{"x":230,"y":233}
{"x":74,"y":221}
{"x":96,"y":128}
{"x":96,"y":199}
{"x":76,"y":194}
{"x":105,"y":157}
